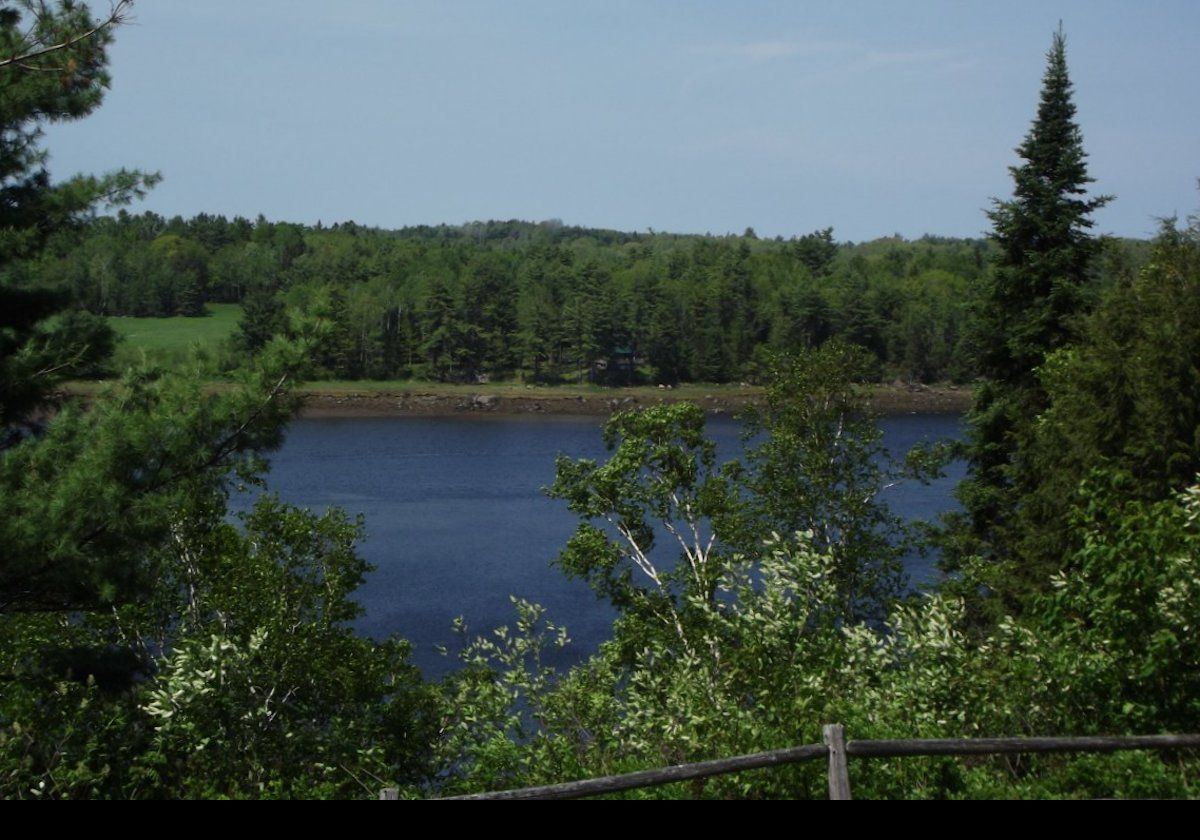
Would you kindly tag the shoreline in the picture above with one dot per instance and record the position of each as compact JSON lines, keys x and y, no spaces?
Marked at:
{"x":318,"y":404}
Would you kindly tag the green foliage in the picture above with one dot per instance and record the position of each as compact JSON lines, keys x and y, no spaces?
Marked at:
{"x":148,"y":646}
{"x":45,"y":86}
{"x":89,"y":499}
{"x":1107,"y":651}
{"x":661,"y":478}
{"x":1124,"y":399}
{"x":53,"y":86}
{"x":771,"y":657}
{"x":784,"y":636}
{"x":1129,"y":597}
{"x":1030,"y":305}
{"x":151,"y":648}
{"x":495,"y":705}
{"x":659,"y":699}
{"x":816,"y":251}
{"x":253,"y":682}
{"x":1042,"y":233}
{"x":737,"y":645}
{"x":820,"y":467}
{"x":815,"y":463}
{"x":458,"y":308}
{"x":267,"y":690}
{"x":40,"y":347}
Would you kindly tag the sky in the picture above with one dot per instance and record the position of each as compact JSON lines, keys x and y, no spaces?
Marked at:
{"x":877,"y":118}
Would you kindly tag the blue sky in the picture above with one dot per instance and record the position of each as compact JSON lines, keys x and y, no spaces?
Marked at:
{"x":876,"y":118}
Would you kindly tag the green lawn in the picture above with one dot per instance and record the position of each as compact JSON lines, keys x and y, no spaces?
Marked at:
{"x":169,"y":340}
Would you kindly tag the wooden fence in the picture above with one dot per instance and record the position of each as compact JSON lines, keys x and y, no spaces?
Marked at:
{"x":836,"y":750}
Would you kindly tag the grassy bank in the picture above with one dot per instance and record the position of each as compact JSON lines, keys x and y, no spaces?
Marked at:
{"x":170,"y":340}
{"x":362,"y":399}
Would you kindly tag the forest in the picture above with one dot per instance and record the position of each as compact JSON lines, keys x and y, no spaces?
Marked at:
{"x":543,"y":302}
{"x":153,"y":646}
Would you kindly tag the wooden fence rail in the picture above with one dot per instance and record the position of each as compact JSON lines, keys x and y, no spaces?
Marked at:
{"x":836,"y":749}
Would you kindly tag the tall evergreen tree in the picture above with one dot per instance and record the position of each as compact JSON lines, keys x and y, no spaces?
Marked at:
{"x":1030,"y":305}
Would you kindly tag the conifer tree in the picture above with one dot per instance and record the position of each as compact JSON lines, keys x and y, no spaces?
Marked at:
{"x":1030,"y":306}
{"x":52,"y":69}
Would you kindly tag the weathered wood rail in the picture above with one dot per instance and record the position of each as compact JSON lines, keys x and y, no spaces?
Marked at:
{"x":835,"y":750}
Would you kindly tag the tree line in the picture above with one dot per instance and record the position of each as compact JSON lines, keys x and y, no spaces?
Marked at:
{"x":541,"y":301}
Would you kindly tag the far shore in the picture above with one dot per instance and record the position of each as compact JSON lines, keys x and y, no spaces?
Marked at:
{"x":428,"y":399}
{"x":345,"y":401}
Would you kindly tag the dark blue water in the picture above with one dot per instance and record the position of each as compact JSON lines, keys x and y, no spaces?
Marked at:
{"x":456,"y":520}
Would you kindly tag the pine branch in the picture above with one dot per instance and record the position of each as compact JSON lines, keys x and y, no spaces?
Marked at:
{"x":118,"y":15}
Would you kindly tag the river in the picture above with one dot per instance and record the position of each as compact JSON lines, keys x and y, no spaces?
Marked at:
{"x":457,"y":522}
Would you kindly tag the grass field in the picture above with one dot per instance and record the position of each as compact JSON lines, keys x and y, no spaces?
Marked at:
{"x":169,"y":340}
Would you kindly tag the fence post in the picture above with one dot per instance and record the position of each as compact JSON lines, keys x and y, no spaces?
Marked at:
{"x":839,"y":773}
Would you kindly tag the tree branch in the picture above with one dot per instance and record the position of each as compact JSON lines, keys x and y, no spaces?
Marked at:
{"x":117,"y":16}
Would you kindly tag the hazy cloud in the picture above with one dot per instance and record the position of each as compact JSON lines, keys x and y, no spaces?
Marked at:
{"x":771,"y":50}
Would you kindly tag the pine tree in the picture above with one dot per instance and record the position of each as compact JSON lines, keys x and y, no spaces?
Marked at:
{"x":52,"y":69}
{"x":442,"y":331}
{"x":1030,"y":306}
{"x":262,"y":317}
{"x":90,"y":497}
